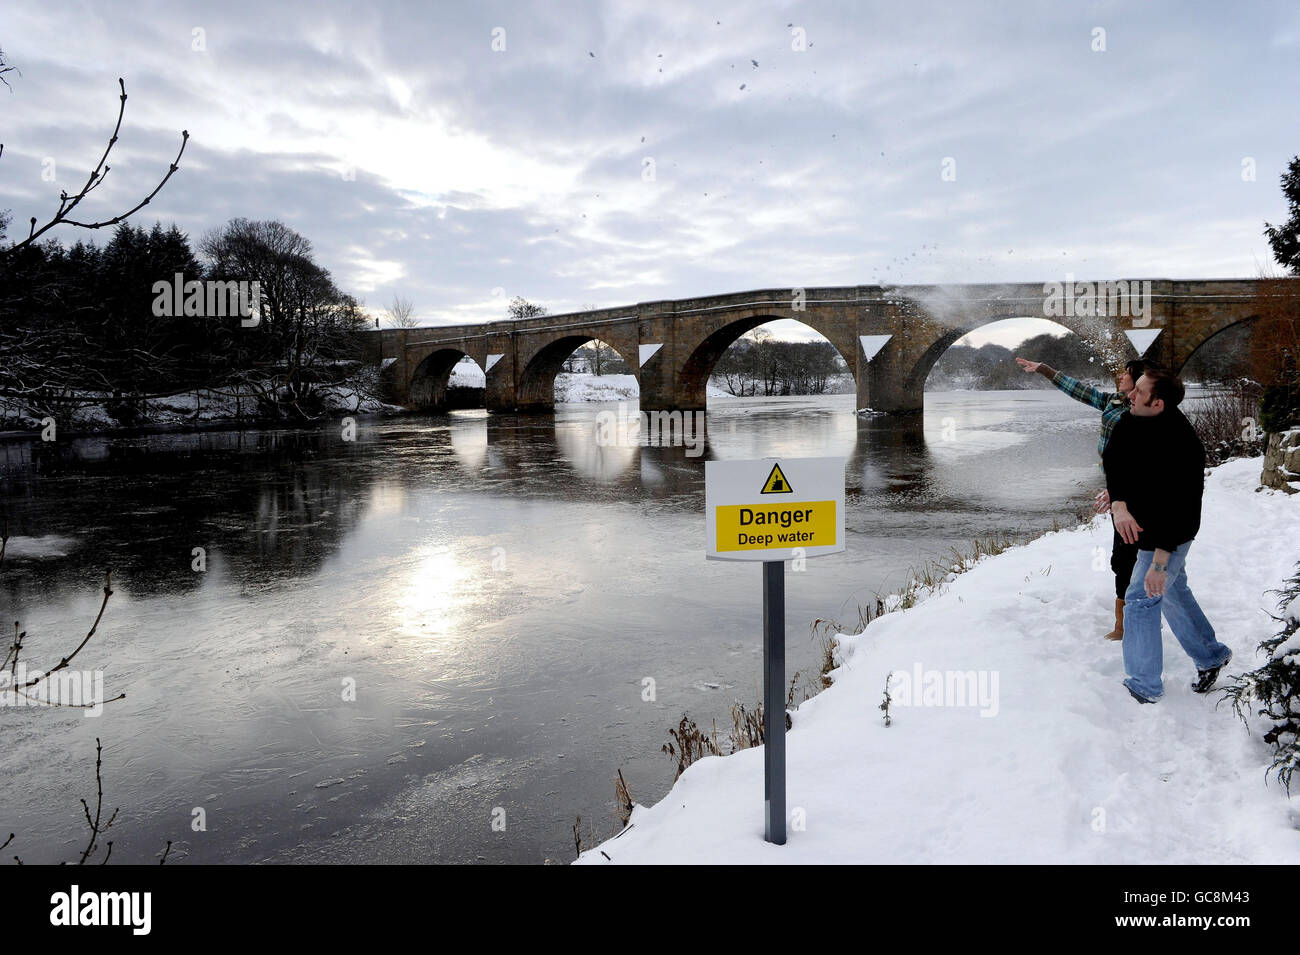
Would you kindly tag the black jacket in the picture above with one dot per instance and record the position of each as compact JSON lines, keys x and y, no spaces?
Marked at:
{"x":1156,"y":466}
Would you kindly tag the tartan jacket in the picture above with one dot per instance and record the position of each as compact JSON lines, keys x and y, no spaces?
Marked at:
{"x":1111,"y":404}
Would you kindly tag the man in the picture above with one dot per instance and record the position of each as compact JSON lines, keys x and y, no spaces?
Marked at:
{"x":1155,"y":467}
{"x":1112,"y":405}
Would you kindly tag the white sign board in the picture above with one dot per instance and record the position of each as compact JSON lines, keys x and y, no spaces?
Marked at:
{"x":774,"y":508}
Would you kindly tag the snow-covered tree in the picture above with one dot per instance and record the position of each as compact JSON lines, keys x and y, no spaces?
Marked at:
{"x":1273,"y":690}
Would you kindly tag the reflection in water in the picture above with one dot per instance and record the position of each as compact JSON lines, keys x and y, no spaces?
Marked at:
{"x":495,"y":587}
{"x":430,"y":598}
{"x":761,"y":428}
{"x":469,"y":439}
{"x":891,"y":458}
{"x":580,"y":442}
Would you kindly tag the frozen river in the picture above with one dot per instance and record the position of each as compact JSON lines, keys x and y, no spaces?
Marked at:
{"x":398,"y":640}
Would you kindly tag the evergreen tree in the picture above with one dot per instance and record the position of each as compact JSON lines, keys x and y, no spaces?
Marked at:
{"x":1275,"y":687}
{"x":1285,"y":238}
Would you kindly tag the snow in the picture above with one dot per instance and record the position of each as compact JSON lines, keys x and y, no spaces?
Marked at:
{"x":1288,"y":647}
{"x":584,"y":387}
{"x":207,"y":407}
{"x":1292,"y":610}
{"x":341,"y":398}
{"x":39,"y":548}
{"x":467,"y":374}
{"x":1064,"y":767}
{"x":571,"y":386}
{"x":841,"y":384}
{"x":200,"y":406}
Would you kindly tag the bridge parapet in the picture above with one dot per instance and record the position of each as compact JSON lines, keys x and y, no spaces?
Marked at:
{"x":683,"y":338}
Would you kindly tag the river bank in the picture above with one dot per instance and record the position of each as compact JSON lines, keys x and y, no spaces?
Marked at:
{"x":199,"y":409}
{"x":1047,"y":759}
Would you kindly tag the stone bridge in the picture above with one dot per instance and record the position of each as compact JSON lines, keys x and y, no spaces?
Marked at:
{"x":890,"y":338}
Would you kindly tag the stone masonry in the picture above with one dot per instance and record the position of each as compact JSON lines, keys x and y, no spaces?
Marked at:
{"x":923,"y":321}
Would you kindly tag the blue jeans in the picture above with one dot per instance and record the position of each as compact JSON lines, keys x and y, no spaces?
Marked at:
{"x":1143,"y":646}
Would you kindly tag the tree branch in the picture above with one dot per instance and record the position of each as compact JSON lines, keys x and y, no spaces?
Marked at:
{"x":68,"y":203}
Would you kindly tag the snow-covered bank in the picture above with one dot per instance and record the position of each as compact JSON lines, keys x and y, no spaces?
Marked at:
{"x":721,"y":387}
{"x":1066,"y":767}
{"x":197,"y":408}
{"x":466,"y":373}
{"x":584,"y":387}
{"x":570,"y":386}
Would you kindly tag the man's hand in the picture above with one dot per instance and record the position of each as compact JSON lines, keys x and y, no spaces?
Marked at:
{"x":1102,"y":505}
{"x":1155,"y":582}
{"x":1127,"y":528}
{"x":1028,"y":365}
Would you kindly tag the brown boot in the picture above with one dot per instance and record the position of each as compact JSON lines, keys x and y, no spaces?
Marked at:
{"x":1118,"y":632}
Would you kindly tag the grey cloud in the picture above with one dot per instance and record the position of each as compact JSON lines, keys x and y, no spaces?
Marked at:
{"x":825,"y":170}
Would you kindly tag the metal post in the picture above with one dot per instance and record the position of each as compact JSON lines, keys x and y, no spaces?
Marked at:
{"x":774,"y":701}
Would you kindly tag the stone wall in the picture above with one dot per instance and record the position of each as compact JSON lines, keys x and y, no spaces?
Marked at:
{"x":690,"y":334}
{"x":1282,"y":461}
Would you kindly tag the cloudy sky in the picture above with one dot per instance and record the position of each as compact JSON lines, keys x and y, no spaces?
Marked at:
{"x":459,"y":154}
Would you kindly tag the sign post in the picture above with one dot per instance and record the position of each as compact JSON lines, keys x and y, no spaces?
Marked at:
{"x":774,"y":510}
{"x":774,"y":701}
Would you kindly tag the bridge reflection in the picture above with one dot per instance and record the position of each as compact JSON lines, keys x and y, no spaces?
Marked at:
{"x":275,"y":505}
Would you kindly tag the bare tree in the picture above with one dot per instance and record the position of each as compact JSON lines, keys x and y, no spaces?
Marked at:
{"x":1275,"y":340}
{"x":6,"y":68}
{"x":266,"y":251}
{"x":401,"y":313}
{"x":68,"y":203}
{"x":757,"y":363}
{"x":522,"y":308}
{"x":601,"y":359}
{"x":307,"y":321}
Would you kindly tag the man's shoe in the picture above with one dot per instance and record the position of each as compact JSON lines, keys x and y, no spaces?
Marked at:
{"x":1205,"y":678}
{"x":1133,"y":693}
{"x":1118,"y":632}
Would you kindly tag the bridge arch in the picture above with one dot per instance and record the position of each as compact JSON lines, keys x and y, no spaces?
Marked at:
{"x":1220,"y":336}
{"x":694,"y":373}
{"x":536,"y":388}
{"x":682,"y":339}
{"x":432,"y":377}
{"x":919,"y":365}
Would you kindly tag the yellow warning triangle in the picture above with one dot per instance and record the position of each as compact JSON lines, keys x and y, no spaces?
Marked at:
{"x":776,"y":482}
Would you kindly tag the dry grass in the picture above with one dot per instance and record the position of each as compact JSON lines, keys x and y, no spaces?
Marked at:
{"x":1227,"y":421}
{"x":689,"y":743}
{"x":623,"y":798}
{"x":746,"y":727}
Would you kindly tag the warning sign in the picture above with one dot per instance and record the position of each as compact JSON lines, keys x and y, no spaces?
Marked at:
{"x":810,"y":524}
{"x":743,"y":524}
{"x":776,"y":482}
